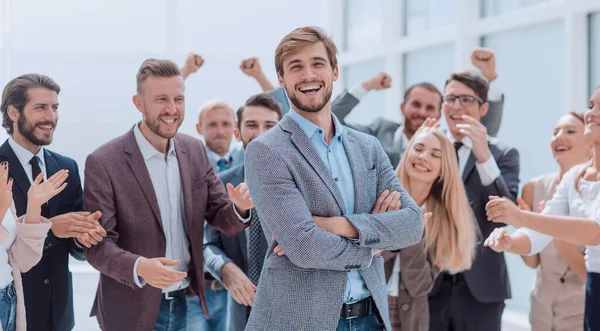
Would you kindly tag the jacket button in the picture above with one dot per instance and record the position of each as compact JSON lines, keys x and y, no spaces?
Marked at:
{"x":46,"y":281}
{"x":405,"y":307}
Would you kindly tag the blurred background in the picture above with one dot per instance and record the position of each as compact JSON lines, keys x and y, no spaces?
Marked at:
{"x":547,"y":54}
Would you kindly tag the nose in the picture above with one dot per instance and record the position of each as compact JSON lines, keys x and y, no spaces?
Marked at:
{"x":51,"y":115}
{"x":171,"y":108}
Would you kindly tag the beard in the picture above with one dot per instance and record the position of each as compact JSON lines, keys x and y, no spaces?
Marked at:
{"x":27,"y":130}
{"x":310,"y":108}
{"x":154,"y":126}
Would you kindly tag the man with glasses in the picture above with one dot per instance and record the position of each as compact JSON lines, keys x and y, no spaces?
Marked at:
{"x":474,"y":299}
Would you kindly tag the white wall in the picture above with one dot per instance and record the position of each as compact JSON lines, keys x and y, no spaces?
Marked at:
{"x":94,"y":48}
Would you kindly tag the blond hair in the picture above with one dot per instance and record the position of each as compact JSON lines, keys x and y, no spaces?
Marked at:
{"x":451,"y":233}
{"x":215,"y":104}
{"x":300,"y":38}
{"x":155,"y":68}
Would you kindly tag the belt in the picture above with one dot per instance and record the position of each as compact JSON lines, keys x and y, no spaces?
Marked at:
{"x":175,"y":294}
{"x":360,"y":308}
{"x":213,"y":284}
{"x":455,"y":279}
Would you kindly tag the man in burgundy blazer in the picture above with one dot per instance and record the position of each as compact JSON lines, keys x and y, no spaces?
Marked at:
{"x":155,"y":188}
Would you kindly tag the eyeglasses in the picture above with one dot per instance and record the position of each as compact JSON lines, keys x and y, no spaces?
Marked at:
{"x":465,"y":100}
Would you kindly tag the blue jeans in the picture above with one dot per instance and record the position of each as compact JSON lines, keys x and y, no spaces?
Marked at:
{"x":8,"y":308}
{"x":217,"y":308}
{"x":173,"y":314}
{"x":363,"y":323}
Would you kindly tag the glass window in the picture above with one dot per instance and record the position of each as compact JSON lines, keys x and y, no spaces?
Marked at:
{"x":364,"y":23}
{"x":423,"y":15}
{"x":532,"y":79}
{"x":371,"y":105}
{"x":594,"y":64}
{"x":498,"y":7}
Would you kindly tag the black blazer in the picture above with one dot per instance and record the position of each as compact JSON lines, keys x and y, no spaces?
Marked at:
{"x":488,"y":277}
{"x":47,"y":287}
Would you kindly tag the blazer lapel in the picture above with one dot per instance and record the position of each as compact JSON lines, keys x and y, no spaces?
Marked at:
{"x":140,"y":171}
{"x":185,"y":172}
{"x":16,"y":171}
{"x":305,"y":146}
{"x":241,"y":237}
{"x":358,"y":167}
{"x":51,"y":169}
{"x":469,"y":166}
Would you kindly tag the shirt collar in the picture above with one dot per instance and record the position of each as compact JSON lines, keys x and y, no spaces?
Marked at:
{"x":310,"y":128}
{"x":466,"y":140}
{"x":148,"y":151}
{"x":24,"y":155}
{"x":400,"y":137}
{"x":217,"y":157}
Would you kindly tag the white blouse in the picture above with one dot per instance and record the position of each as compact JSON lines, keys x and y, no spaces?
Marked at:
{"x":568,"y":202}
{"x":9,"y":223}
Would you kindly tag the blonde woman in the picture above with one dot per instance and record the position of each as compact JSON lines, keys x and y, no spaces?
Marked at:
{"x":429,"y":172}
{"x":21,"y":242}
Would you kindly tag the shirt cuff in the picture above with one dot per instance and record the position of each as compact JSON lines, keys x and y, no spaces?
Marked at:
{"x":358,"y":91}
{"x":244,"y":220}
{"x":77,"y":244}
{"x":488,"y":171}
{"x":139,"y":281}
{"x":538,"y":241}
{"x":494,"y":92}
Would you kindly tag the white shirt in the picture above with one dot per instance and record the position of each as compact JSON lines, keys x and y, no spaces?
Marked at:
{"x":9,"y":223}
{"x":25,"y":156}
{"x":488,"y":170}
{"x":566,"y":201}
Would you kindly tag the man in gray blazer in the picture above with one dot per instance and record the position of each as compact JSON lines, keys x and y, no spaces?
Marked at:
{"x":237,"y":261}
{"x":314,"y":183}
{"x":421,"y":101}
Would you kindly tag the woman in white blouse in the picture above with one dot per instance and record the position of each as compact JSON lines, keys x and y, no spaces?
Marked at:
{"x":429,"y":172}
{"x":577,"y":196}
{"x":21,"y":242}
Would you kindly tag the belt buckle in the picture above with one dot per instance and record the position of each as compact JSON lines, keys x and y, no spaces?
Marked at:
{"x":348,"y":311}
{"x":168,"y":297}
{"x":215,"y":285}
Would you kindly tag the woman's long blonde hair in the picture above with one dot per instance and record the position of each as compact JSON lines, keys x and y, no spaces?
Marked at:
{"x":451,"y":232}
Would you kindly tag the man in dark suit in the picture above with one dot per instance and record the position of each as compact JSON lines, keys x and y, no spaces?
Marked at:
{"x":155,"y":188}
{"x":30,"y":114}
{"x":237,"y":261}
{"x":474,"y":299}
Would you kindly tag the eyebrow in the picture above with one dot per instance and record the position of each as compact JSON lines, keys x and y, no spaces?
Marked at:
{"x":435,"y":149}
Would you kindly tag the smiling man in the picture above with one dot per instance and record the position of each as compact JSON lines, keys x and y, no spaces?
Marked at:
{"x":474,"y":299}
{"x":315,"y":183}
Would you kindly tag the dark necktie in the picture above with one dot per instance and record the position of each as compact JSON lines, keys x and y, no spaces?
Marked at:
{"x":255,"y":261}
{"x":35,"y":171}
{"x":457,"y":146}
{"x":222,"y":164}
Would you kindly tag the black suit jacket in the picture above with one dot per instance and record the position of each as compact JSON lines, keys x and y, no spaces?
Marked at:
{"x":488,"y":277}
{"x":47,"y":287}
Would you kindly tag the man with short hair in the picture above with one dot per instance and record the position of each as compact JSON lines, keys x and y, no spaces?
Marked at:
{"x":318,"y":188}
{"x":474,"y":299}
{"x":155,"y":188}
{"x":237,"y":261}
{"x":30,"y":114}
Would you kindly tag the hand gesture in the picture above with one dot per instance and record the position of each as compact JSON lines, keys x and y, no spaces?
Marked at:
{"x":499,"y":240}
{"x":77,"y":225}
{"x":240,"y":196}
{"x":5,"y":188}
{"x":380,"y":81}
{"x":387,"y":202}
{"x":503,"y":210}
{"x":485,"y":60}
{"x":156,"y":272}
{"x":477,"y":132}
{"x":193,"y":62}
{"x":430,"y":123}
{"x":251,"y":67}
{"x":238,"y":284}
{"x":93,"y":236}
{"x":40,"y":192}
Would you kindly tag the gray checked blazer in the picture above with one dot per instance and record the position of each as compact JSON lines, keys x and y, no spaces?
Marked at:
{"x":288,"y":182}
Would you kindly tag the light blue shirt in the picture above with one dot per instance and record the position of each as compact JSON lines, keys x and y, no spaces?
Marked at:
{"x":335,"y":158}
